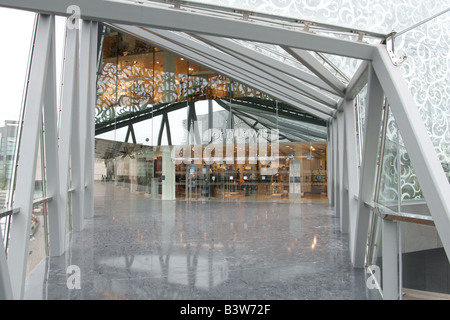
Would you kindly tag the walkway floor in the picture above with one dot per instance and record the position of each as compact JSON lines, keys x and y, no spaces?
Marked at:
{"x":137,"y":248}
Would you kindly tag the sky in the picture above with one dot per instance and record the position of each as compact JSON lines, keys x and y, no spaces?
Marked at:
{"x":17,"y":28}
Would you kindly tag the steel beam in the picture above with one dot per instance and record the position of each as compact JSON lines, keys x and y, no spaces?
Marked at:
{"x":330,"y":169}
{"x":168,"y":18}
{"x":55,"y":218}
{"x":317,"y":68}
{"x":272,"y":63}
{"x":424,"y":159}
{"x":82,"y":169}
{"x":368,"y":169}
{"x":337,"y":198}
{"x":26,"y":165}
{"x":208,"y":59}
{"x":67,"y":104}
{"x":352,"y":165}
{"x":261,"y":75}
{"x":358,"y":81}
{"x":76,"y":156}
{"x":164,"y":124}
{"x":256,"y":59}
{"x":284,"y":110}
{"x":91,"y":83}
{"x":286,"y":127}
{"x":342,"y":168}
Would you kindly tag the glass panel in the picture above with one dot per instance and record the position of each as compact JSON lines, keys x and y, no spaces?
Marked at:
{"x":38,"y":246}
{"x":425,"y":265}
{"x":177,"y":120}
{"x":411,"y":193}
{"x":241,"y":90}
{"x":7,"y":148}
{"x":398,"y":176}
{"x":155,"y":125}
{"x":361,"y":117}
{"x":376,"y":16}
{"x":426,"y":70}
{"x":389,"y":183}
{"x":125,"y":84}
{"x":13,"y":64}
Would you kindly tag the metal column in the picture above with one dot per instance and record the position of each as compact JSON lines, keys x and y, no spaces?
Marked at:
{"x":352,"y":166}
{"x":330,"y":164}
{"x":91,"y":83}
{"x":80,"y":162}
{"x":68,"y":102}
{"x":343,"y":212}
{"x":337,"y":198}
{"x":375,"y":98}
{"x":26,"y":169}
{"x":51,"y":155}
{"x":390,"y":271}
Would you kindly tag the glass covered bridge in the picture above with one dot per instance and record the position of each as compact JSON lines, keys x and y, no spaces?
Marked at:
{"x":246,"y":141}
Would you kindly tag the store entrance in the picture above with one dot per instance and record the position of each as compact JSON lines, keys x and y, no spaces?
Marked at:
{"x":300,"y":175}
{"x":216,"y":182}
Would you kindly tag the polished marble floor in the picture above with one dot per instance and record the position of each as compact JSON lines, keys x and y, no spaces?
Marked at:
{"x":137,"y":248}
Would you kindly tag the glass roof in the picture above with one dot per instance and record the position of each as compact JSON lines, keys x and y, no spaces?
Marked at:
{"x":422,"y":34}
{"x":381,"y":16}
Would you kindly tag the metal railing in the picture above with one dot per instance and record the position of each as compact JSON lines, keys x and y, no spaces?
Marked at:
{"x":8,"y":213}
{"x":389,"y":214}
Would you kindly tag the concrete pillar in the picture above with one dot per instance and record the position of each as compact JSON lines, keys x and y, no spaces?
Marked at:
{"x":168,"y":174}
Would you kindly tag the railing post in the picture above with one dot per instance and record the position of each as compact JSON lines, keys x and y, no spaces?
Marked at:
{"x":390,"y":270}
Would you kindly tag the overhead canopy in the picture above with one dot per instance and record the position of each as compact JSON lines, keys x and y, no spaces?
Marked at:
{"x":286,"y":58}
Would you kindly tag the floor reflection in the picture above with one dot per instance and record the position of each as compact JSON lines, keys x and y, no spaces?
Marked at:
{"x":136,"y":248}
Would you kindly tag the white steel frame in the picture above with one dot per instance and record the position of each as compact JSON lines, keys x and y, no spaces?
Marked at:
{"x":350,"y":188}
{"x":76,"y":129}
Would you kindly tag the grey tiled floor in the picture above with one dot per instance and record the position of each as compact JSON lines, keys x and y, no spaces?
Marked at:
{"x":137,"y":248}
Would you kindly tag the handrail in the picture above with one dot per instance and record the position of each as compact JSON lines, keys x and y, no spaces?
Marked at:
{"x":8,"y":212}
{"x":386,"y":213}
{"x":41,"y":200}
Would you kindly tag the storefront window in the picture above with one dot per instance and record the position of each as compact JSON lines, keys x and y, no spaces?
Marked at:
{"x":174,"y":130}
